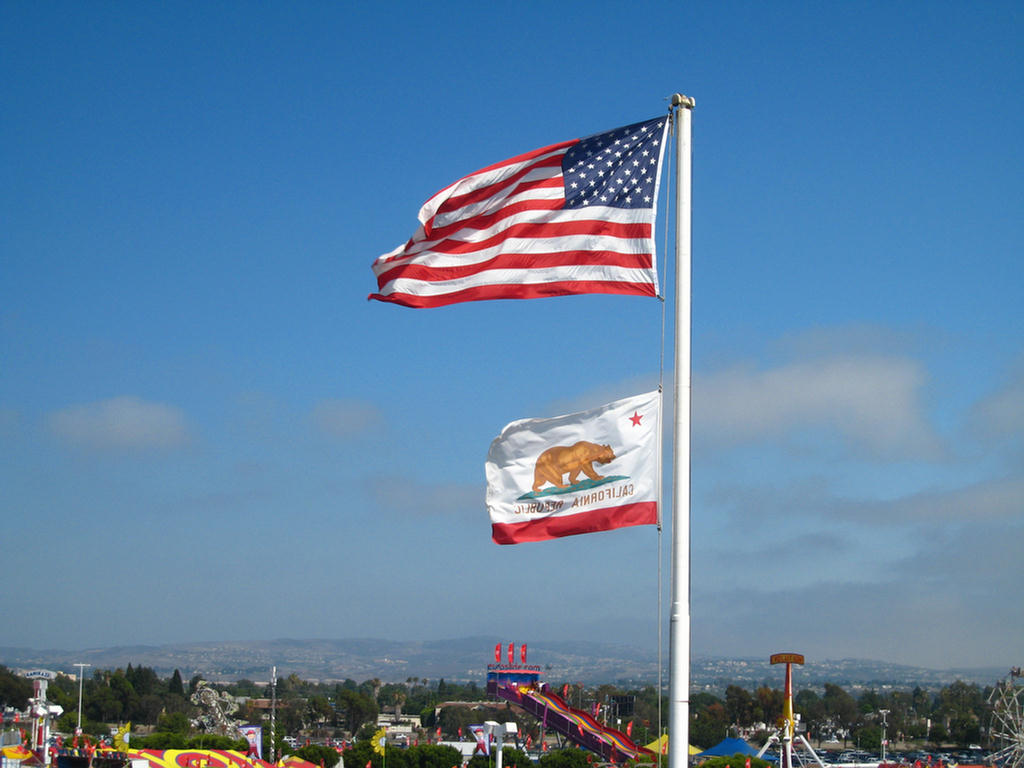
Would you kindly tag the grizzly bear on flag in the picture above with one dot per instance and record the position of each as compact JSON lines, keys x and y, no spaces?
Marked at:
{"x":580,"y":457}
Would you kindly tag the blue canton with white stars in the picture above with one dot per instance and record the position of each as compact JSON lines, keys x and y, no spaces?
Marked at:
{"x":618,"y":168}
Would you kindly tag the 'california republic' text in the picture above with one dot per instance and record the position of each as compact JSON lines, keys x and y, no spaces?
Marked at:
{"x":553,"y":506}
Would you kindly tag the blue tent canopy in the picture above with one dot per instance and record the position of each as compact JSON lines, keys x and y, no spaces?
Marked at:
{"x":727,"y":747}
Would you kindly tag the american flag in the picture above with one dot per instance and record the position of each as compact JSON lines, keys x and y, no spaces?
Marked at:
{"x":575,"y":217}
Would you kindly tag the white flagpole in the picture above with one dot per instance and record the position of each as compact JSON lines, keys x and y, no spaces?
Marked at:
{"x":679,"y":617}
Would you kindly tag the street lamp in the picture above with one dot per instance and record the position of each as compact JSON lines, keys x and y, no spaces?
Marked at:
{"x":883,"y":713}
{"x":81,"y":674}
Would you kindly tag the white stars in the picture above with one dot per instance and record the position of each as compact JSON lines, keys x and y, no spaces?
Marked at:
{"x":611,"y":169}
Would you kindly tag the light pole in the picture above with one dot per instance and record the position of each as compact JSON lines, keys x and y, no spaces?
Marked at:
{"x":883,"y":713}
{"x":81,"y":674}
{"x":273,"y":709}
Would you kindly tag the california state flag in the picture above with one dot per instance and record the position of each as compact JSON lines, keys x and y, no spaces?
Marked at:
{"x":583,"y":472}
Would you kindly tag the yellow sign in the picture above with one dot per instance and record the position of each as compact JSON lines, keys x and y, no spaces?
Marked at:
{"x":786,"y":658}
{"x":123,"y":737}
{"x":380,"y":740}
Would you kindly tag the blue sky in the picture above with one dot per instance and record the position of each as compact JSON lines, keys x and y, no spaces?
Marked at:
{"x":208,"y":433}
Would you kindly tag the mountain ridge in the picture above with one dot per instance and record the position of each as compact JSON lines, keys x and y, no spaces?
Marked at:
{"x":466,"y":659}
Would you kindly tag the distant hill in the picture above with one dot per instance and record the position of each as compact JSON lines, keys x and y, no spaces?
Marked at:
{"x":466,"y":659}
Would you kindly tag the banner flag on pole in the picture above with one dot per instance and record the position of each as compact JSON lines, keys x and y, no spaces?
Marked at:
{"x":483,"y":742}
{"x":544,"y":476}
{"x":571,"y":218}
{"x":253,"y":735}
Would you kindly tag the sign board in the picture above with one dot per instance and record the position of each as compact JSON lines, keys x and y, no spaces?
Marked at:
{"x":41,"y":674}
{"x":625,"y":706}
{"x":786,"y":658}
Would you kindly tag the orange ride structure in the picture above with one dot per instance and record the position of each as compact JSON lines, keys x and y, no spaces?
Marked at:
{"x":785,"y":732}
{"x":519,"y":683}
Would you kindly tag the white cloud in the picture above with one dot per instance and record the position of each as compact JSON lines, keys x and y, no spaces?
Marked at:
{"x":942,"y":606}
{"x":759,"y":506}
{"x":344,"y":418}
{"x":1001,"y":414}
{"x":991,"y":499}
{"x":121,"y":423}
{"x":872,"y":402}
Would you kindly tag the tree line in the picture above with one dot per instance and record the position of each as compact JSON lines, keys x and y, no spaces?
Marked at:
{"x":165,"y":716}
{"x":958,"y":714}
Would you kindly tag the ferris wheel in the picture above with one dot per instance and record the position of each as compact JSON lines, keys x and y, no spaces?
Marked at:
{"x":1007,"y":700}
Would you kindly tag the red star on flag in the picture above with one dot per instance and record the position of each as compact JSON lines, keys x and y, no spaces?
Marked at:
{"x":635,"y":418}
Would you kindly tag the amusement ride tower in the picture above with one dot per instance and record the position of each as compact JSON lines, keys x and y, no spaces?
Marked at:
{"x":785,"y":731}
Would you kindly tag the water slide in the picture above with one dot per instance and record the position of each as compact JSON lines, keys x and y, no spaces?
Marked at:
{"x":575,"y":724}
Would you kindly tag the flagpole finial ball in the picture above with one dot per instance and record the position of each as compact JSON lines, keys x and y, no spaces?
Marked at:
{"x":678,"y":100}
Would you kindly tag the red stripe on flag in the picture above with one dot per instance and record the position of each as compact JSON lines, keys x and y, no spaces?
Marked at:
{"x":488,"y":220}
{"x":521,"y":261}
{"x":609,"y":518}
{"x":540,"y":230}
{"x":454,"y":202}
{"x":524,"y":157}
{"x":518,"y":291}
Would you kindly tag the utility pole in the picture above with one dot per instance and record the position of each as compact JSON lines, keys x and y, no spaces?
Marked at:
{"x":883,"y":713}
{"x":81,"y":675}
{"x":273,"y":710}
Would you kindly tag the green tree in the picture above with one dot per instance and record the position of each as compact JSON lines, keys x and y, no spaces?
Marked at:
{"x":437,"y":756}
{"x":869,"y":702}
{"x":514,"y":758}
{"x":317,"y":755}
{"x":812,"y":712}
{"x":63,"y":691}
{"x":15,"y":691}
{"x":319,"y":711}
{"x":646,"y":726}
{"x":964,"y":730}
{"x":144,"y":681}
{"x":147,"y":709}
{"x":708,"y":720}
{"x":362,"y":753}
{"x":216,"y":741}
{"x":103,"y":705}
{"x":938,"y":735}
{"x":961,"y":700}
{"x":67,"y":722}
{"x":565,"y":758}
{"x":176,"y":687}
{"x":123,"y":690}
{"x":739,"y":705}
{"x":161,"y":740}
{"x":869,"y":736}
{"x":840,"y":708}
{"x":921,"y":702}
{"x":735,"y":761}
{"x":767,"y":704}
{"x":173,"y":722}
{"x":354,"y":709}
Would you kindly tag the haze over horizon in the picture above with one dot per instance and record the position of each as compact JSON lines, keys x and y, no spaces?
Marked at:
{"x":466,"y":659}
{"x":211,"y":642}
{"x":207,"y":431}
